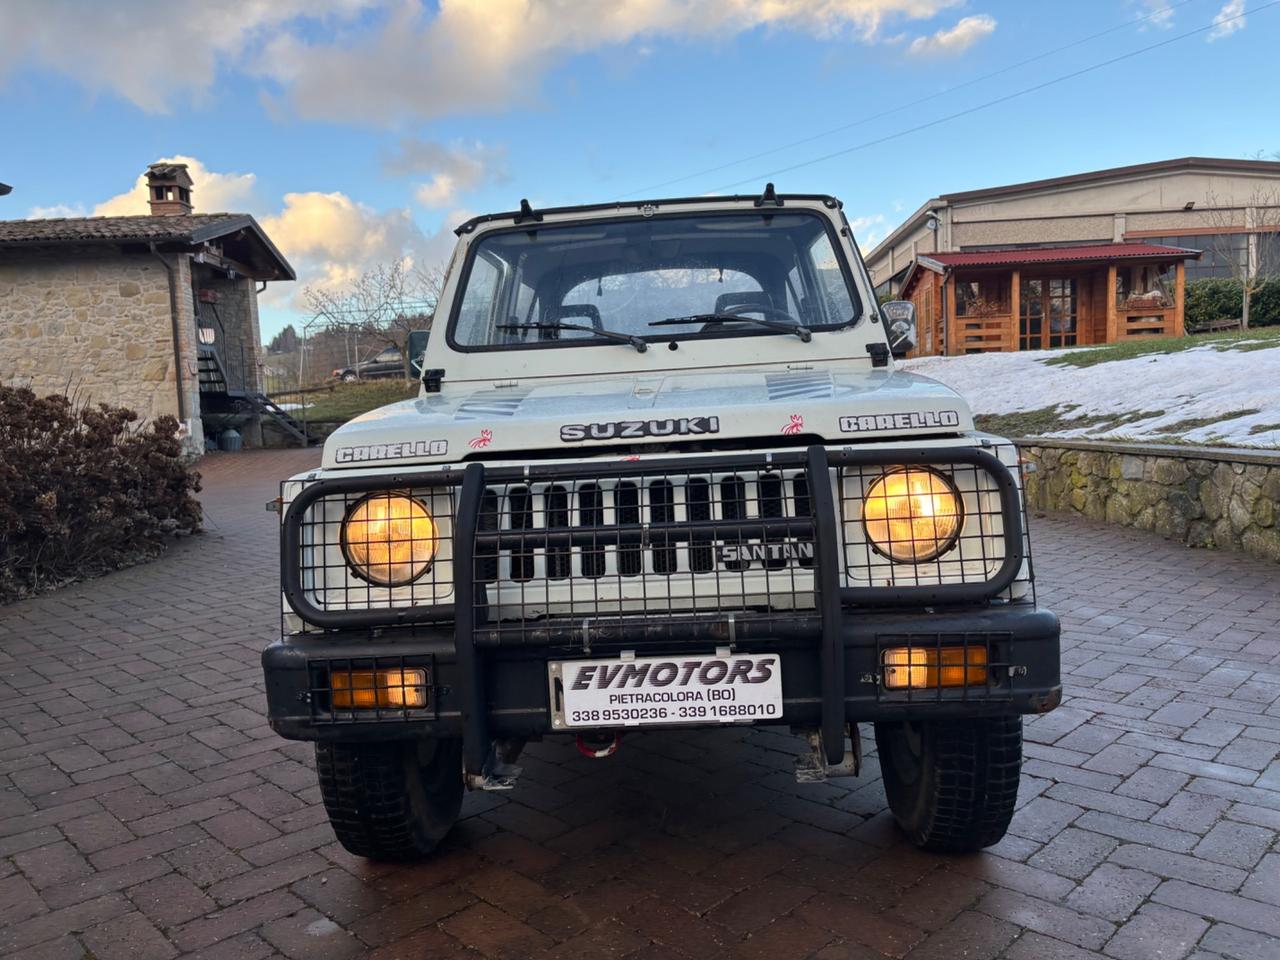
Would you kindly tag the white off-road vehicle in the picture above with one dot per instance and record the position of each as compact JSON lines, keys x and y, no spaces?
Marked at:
{"x":662,"y":472}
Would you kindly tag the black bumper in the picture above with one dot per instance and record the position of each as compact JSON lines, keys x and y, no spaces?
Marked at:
{"x":1023,"y":639}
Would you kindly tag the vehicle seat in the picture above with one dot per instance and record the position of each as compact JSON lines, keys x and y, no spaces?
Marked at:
{"x":735,"y":302}
{"x":569,"y":312}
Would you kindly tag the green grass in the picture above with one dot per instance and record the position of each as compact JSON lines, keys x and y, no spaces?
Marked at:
{"x":1051,"y":419}
{"x":347,"y":400}
{"x":1265,"y":337}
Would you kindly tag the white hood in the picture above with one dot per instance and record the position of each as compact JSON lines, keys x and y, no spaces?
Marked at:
{"x":633,"y":411}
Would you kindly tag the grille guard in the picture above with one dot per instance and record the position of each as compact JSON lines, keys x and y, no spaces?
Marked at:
{"x":823,"y":525}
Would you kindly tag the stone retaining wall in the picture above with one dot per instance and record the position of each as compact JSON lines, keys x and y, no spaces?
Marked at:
{"x":1202,"y":496}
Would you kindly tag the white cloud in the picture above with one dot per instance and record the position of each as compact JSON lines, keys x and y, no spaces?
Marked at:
{"x":956,"y":40}
{"x":331,"y":239}
{"x":379,"y":60}
{"x":210,"y":192}
{"x":57,"y":210}
{"x":869,"y":230}
{"x":486,"y":54}
{"x":155,"y":56}
{"x":451,"y":169}
{"x":1159,"y":14}
{"x":1228,"y":20}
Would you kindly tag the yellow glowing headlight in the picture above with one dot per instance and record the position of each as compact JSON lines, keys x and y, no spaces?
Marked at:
{"x":364,"y":689}
{"x":913,"y":514}
{"x":389,"y":539}
{"x":917,"y":668}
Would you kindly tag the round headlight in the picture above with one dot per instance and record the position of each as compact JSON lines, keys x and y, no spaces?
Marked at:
{"x":389,"y":539}
{"x":912,"y":515}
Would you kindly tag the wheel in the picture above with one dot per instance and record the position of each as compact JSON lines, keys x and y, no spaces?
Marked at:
{"x":350,"y":377}
{"x":391,"y":801}
{"x":952,"y":784}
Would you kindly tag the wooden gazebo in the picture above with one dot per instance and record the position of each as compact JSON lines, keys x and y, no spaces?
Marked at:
{"x":1032,"y":299}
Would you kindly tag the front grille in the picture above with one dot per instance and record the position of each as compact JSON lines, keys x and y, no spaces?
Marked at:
{"x":663,"y":543}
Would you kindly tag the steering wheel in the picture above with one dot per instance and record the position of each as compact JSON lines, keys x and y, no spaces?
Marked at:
{"x":761,"y":308}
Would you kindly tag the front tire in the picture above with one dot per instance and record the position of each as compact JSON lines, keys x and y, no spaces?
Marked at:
{"x":952,"y":784}
{"x":391,"y":801}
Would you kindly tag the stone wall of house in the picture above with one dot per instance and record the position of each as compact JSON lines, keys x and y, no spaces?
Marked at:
{"x":1201,"y":496}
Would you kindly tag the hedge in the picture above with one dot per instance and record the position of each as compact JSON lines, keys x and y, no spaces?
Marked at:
{"x":83,"y":490}
{"x":1221,"y":298}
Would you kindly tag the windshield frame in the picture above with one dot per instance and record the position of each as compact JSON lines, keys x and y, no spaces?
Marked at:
{"x":833,"y":233}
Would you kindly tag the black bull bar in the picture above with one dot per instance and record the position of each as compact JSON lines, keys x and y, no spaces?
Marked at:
{"x":473,"y":634}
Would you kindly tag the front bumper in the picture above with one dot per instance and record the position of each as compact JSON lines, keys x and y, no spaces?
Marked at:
{"x":1023,"y":640}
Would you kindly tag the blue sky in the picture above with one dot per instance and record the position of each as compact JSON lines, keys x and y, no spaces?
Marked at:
{"x":359,"y":131}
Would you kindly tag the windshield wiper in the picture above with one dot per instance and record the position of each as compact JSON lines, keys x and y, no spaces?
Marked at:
{"x":637,"y":342}
{"x":799,"y":329}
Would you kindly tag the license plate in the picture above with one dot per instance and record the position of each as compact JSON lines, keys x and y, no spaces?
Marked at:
{"x":698,"y":689}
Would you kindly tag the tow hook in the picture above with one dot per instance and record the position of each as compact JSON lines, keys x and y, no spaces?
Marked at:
{"x":597,"y":745}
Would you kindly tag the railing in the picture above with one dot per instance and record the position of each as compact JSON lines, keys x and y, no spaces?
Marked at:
{"x":993,"y":332}
{"x":1136,"y":320}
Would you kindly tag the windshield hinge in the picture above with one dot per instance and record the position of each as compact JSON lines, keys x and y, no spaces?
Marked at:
{"x":505,"y":384}
{"x":879,"y":354}
{"x":431,"y":380}
{"x":769,"y":198}
{"x":527,"y":212}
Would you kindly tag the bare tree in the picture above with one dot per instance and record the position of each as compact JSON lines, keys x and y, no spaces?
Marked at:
{"x":385,"y":303}
{"x":1257,"y":217}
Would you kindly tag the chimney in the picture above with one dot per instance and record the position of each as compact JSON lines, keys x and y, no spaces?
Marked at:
{"x":168,"y":189}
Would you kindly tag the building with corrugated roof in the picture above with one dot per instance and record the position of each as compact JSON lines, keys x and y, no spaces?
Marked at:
{"x":1087,"y":258}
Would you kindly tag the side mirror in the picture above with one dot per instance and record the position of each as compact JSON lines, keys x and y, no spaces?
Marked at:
{"x":417,"y":346}
{"x":900,"y":325}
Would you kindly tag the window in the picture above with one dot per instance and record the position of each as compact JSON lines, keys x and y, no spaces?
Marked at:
{"x":1222,"y":255}
{"x":621,"y":276}
{"x":985,"y":297}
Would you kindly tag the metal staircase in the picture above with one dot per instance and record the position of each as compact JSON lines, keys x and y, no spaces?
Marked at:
{"x":219,"y":395}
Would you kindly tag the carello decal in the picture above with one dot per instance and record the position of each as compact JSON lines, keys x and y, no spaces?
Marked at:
{"x":636,"y":429}
{"x":401,"y":450}
{"x":926,"y":420}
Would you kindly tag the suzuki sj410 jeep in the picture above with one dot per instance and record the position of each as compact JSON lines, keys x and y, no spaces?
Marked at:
{"x":663,"y":472}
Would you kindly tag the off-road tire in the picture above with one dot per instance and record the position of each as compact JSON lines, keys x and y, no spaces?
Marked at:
{"x":952,"y":784}
{"x":391,"y":801}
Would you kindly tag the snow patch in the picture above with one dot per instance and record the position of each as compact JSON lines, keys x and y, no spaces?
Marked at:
{"x":1196,"y":384}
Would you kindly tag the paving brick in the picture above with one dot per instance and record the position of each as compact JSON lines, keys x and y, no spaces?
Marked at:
{"x":1242,"y":912}
{"x":130,"y":936}
{"x":1238,"y":844}
{"x":308,"y":935}
{"x":1164,"y":863}
{"x":1157,"y":933}
{"x":1061,"y":923}
{"x":1112,"y":892}
{"x":495,"y":934}
{"x":158,"y":813}
{"x":1074,"y":853}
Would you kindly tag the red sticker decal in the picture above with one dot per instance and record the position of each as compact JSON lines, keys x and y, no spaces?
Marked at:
{"x":482,"y":441}
{"x":795,"y":426}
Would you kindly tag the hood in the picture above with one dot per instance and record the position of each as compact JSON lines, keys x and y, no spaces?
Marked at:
{"x":498,"y":422}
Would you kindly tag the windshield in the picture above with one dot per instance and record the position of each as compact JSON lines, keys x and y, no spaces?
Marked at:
{"x":719,"y":275}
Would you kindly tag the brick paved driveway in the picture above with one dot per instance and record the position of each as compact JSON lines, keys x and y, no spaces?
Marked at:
{"x":146,"y":810}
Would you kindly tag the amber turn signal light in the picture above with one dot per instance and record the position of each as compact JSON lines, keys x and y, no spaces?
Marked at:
{"x":923,"y":668}
{"x":365,"y":689}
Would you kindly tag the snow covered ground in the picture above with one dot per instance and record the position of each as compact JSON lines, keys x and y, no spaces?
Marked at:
{"x":1203,"y":383}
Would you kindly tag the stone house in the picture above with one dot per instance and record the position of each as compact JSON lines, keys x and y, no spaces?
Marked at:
{"x":158,"y":313}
